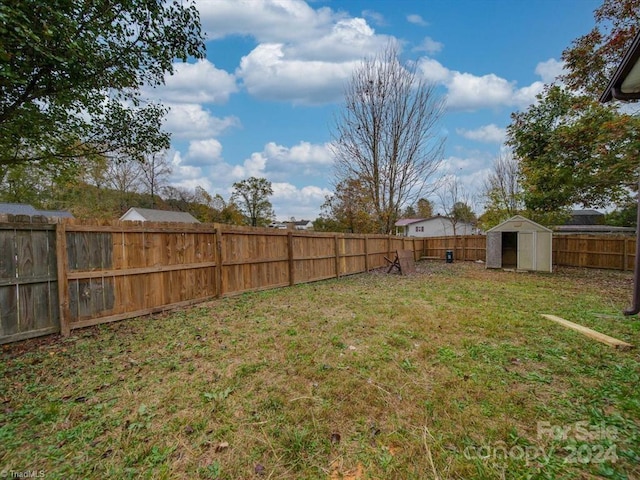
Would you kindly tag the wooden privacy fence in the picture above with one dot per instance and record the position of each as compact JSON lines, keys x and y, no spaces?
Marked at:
{"x":614,"y":252}
{"x":56,"y":277}
{"x":73,"y":274}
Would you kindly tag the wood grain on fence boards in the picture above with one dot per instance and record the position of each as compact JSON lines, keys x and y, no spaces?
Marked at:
{"x":76,"y":273}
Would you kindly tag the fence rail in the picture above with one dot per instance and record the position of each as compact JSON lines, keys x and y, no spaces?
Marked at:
{"x":613,"y":252}
{"x":74,"y":274}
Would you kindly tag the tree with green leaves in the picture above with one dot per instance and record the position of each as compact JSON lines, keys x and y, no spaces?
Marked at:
{"x":592,"y":59}
{"x":574,"y":150}
{"x":386,"y":135}
{"x":71,"y":74}
{"x":349,"y":209}
{"x":424,"y":208}
{"x":252,"y":197}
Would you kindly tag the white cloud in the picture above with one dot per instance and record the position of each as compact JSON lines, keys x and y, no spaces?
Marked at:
{"x":488,"y":134}
{"x":254,"y":166}
{"x":550,"y":70}
{"x":417,"y":20}
{"x":302,"y":203}
{"x":277,"y":162}
{"x":192,"y":121}
{"x":266,"y":20}
{"x":470,"y":92}
{"x":466,"y":91}
{"x":304,"y":55}
{"x":433,"y":71}
{"x":198,"y":82}
{"x":187,"y":176}
{"x":267,"y":74}
{"x":349,"y":39}
{"x":429,"y":45}
{"x":202,"y":152}
{"x":375,"y":17}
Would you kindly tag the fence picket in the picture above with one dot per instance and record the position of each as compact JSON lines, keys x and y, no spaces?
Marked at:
{"x":86,"y":273}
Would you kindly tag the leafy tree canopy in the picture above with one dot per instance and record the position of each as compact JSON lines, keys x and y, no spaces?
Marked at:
{"x":349,"y":209}
{"x":252,"y":197}
{"x":573,"y":150}
{"x":592,"y":59}
{"x":71,"y":72}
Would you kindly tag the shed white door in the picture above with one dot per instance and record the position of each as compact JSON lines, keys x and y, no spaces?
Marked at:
{"x":526,"y":242}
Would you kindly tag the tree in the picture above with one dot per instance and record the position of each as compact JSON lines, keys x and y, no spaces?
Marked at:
{"x":385,"y":136}
{"x":155,"y":172}
{"x":574,"y":150}
{"x":71,"y":74}
{"x":409,"y":212}
{"x":625,"y":216}
{"x":592,"y":59}
{"x":425,"y":208}
{"x":124,"y":177}
{"x":349,"y":209}
{"x":455,"y":202}
{"x":502,"y":192}
{"x":252,"y":197}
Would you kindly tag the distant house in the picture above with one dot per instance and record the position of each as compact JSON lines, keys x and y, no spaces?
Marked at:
{"x":300,"y":225}
{"x":438,"y":226}
{"x":26,"y":209}
{"x":135,"y":214}
{"x":585,"y":217}
{"x":278,"y":225}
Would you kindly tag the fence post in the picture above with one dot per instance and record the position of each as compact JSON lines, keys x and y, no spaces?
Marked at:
{"x":625,"y":254}
{"x":218,"y":277}
{"x":63,"y":282}
{"x":337,"y":247}
{"x":366,"y":253}
{"x":290,"y":257}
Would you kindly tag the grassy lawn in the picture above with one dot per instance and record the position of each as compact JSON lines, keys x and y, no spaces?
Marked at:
{"x":449,"y":373}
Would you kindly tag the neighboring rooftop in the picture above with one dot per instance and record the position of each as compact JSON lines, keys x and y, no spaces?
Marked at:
{"x":151,"y":215}
{"x":593,"y":229}
{"x":585,"y":217}
{"x":26,"y":209}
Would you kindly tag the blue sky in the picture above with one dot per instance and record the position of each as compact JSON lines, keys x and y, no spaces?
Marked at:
{"x":262,"y":102}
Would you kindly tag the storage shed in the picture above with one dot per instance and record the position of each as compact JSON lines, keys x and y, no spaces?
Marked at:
{"x":521,"y":244}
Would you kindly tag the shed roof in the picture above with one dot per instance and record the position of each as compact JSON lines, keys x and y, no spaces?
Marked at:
{"x":511,"y":225}
{"x":152,"y":215}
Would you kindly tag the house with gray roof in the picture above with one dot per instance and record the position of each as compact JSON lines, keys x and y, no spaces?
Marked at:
{"x":136,"y":214}
{"x":26,"y":209}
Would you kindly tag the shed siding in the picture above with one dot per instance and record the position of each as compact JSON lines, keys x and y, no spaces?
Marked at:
{"x":526,"y":250}
{"x":494,"y":250}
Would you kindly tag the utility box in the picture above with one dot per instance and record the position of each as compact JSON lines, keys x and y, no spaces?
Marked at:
{"x":521,"y":244}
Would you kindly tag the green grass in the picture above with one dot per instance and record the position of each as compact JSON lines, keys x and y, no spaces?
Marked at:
{"x":449,"y":373}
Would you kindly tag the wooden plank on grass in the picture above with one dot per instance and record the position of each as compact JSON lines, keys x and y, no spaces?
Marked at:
{"x":601,"y":337}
